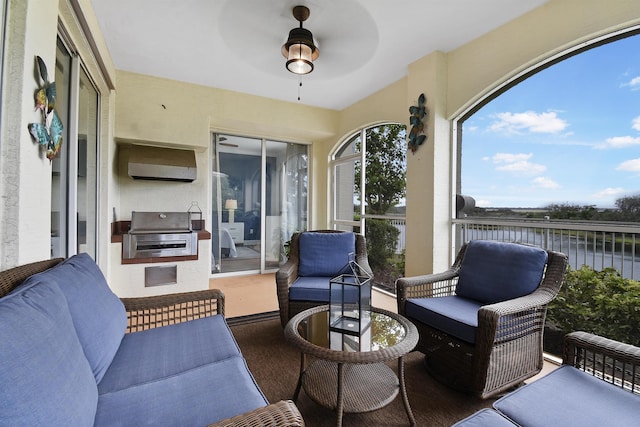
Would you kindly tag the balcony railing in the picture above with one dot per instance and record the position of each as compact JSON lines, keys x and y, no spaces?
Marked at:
{"x":597,"y":245}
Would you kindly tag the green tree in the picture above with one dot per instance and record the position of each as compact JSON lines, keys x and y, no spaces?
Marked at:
{"x":629,"y":207}
{"x":385,"y":163}
{"x":571,"y":211}
{"x":385,"y":186}
{"x":382,"y":238}
{"x":600,"y":302}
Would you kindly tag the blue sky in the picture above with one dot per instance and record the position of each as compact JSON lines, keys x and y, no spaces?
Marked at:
{"x":568,"y":134}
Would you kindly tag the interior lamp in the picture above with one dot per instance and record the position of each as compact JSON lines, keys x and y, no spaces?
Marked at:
{"x":300,"y":50}
{"x":231,"y":205}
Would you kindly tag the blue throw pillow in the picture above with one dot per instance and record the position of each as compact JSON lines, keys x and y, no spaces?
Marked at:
{"x":98,"y":314}
{"x":497,"y":271}
{"x":325,"y":254}
{"x":45,"y":378}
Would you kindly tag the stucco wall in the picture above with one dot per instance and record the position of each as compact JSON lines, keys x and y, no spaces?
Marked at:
{"x":25,"y":185}
{"x":472,"y":71}
{"x":482,"y":64}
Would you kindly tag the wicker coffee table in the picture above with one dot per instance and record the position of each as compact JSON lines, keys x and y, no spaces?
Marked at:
{"x":347,"y":373}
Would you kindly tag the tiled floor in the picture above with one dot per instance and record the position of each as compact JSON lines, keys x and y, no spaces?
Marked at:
{"x":245,"y":295}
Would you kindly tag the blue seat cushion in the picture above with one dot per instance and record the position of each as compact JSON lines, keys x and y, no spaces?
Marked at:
{"x":325,"y":254}
{"x":497,"y":271}
{"x":193,"y":398}
{"x":158,"y":353}
{"x":571,"y":397}
{"x":484,"y":418}
{"x":45,"y":378}
{"x":98,"y":314}
{"x":453,"y":315}
{"x":317,"y":289}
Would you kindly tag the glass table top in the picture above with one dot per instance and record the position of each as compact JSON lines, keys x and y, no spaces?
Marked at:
{"x":380,"y":333}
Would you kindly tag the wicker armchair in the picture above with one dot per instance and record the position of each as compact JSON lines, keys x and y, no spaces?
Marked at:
{"x":287,"y":274}
{"x":505,"y":346}
{"x":150,"y":312}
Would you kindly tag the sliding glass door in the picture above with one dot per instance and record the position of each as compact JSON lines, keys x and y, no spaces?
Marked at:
{"x":259,"y":199}
{"x":74,"y":169}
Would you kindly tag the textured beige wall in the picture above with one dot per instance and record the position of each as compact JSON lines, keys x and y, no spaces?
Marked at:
{"x":471,"y":72}
{"x":169,"y":113}
{"x":480,"y":65}
{"x":25,"y":183}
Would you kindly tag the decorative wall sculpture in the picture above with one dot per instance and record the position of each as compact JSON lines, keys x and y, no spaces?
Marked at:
{"x":418,"y":115}
{"x":48,"y":133}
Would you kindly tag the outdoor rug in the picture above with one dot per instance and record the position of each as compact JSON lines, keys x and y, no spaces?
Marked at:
{"x":275,"y":364}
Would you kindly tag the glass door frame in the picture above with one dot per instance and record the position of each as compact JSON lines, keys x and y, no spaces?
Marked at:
{"x":68,"y":158}
{"x":217,"y":199}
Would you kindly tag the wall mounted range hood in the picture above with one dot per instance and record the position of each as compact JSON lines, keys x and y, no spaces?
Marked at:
{"x":164,"y":164}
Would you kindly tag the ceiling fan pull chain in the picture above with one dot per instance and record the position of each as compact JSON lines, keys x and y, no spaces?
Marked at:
{"x":299,"y":86}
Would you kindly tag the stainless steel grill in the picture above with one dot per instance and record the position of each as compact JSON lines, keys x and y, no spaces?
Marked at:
{"x":159,"y":234}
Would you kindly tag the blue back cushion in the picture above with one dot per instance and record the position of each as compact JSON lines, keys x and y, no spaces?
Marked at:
{"x":98,"y":314}
{"x":496,"y":271}
{"x":325,"y":254}
{"x":45,"y":378}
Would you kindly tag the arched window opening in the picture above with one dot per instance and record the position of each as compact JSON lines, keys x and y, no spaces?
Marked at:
{"x":368,"y":172}
{"x":551,"y":159}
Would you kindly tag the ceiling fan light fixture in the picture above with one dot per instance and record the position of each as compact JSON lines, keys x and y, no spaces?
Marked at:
{"x":300,"y":50}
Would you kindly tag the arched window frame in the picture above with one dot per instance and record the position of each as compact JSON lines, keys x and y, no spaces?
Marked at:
{"x":334,"y":164}
{"x":516,"y":78}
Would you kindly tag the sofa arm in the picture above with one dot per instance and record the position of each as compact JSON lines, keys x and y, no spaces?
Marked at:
{"x":283,"y":413}
{"x":612,"y":361}
{"x":150,"y":312}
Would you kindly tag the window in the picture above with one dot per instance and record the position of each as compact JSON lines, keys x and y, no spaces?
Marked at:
{"x":74,"y":170}
{"x":556,"y":153}
{"x":567,"y":134}
{"x":368,"y":173}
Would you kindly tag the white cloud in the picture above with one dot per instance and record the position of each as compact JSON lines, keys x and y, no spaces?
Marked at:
{"x":523,"y":167}
{"x":630,"y":166}
{"x":547,"y":183}
{"x":517,"y":163}
{"x":483,"y":203}
{"x":636,"y":123}
{"x":619,"y":142}
{"x":608,"y":193}
{"x":634,"y":83}
{"x":511,"y":158}
{"x":547,"y":122}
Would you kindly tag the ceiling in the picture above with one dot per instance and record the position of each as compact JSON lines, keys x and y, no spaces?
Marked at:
{"x":364,"y":45}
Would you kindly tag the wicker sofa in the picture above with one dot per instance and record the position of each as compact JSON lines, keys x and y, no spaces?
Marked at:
{"x":598,"y":384}
{"x":74,"y":354}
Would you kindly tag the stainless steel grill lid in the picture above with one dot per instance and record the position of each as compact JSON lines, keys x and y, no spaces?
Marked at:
{"x":159,"y":234}
{"x":160,"y":222}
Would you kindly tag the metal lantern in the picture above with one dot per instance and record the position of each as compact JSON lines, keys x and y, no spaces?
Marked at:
{"x":350,"y":300}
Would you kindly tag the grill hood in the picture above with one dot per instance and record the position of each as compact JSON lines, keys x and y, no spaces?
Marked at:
{"x":164,"y":164}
